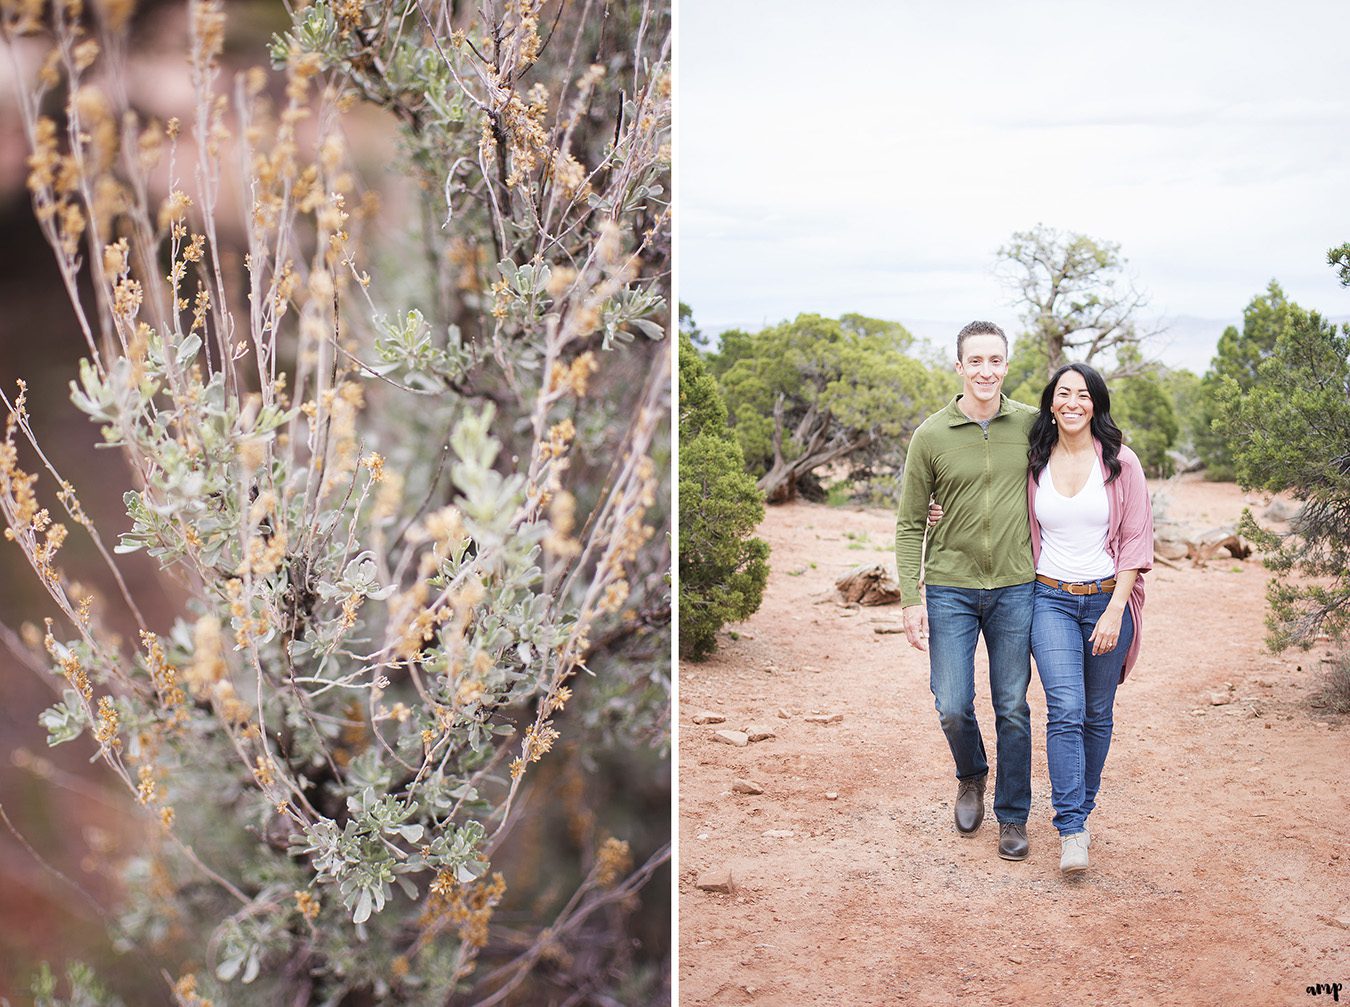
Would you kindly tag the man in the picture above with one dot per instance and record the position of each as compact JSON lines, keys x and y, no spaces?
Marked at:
{"x":971,"y":457}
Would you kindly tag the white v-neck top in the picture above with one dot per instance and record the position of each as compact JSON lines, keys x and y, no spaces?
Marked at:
{"x":1073,"y":529}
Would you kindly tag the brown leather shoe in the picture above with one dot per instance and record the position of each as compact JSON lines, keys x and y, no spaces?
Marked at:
{"x":970,"y":803}
{"x":1012,"y":841}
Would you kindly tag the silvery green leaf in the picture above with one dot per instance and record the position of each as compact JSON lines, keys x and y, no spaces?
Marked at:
{"x":187,"y":351}
{"x":229,"y":968}
{"x":64,"y":721}
{"x":470,"y":871}
{"x":649,"y":328}
{"x":363,"y":907}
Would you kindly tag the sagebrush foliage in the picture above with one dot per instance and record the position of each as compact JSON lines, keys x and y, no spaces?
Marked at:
{"x":723,"y":568}
{"x":404,"y":504}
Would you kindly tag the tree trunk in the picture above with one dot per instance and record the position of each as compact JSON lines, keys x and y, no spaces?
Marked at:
{"x":779,"y":484}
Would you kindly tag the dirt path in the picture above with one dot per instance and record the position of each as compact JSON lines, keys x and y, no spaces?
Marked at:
{"x":1219,"y":853}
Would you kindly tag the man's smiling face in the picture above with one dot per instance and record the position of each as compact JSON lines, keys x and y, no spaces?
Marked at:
{"x":983,"y":366}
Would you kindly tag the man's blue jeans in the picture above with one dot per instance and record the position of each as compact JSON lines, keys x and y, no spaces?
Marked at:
{"x":1080,"y":691}
{"x":956,"y":618}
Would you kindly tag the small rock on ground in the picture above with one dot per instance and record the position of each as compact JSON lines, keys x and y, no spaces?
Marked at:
{"x":759,"y":732}
{"x":747,"y":787}
{"x":824,"y":718}
{"x":708,"y":717}
{"x":718,"y":879}
{"x":737,"y":738}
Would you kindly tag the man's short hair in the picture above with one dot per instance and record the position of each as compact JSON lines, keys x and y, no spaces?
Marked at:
{"x":979,"y":329}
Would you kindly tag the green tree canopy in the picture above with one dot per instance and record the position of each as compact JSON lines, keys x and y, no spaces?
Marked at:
{"x":814,"y":391}
{"x":1288,"y":428}
{"x":723,"y":569}
{"x":1027,"y":370}
{"x":1143,"y":409}
{"x":1238,"y":360}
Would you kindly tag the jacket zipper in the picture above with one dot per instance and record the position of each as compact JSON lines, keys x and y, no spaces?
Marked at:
{"x":988,"y":505}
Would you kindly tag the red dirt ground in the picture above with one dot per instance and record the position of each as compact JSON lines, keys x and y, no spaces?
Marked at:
{"x":1219,"y":860}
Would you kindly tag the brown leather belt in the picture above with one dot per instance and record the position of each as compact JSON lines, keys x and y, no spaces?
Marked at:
{"x":1091,"y":587}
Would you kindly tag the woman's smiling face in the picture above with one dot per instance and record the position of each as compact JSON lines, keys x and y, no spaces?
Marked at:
{"x":1072,"y":404}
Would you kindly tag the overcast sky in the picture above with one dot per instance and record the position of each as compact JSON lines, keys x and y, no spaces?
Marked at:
{"x":872,"y":156}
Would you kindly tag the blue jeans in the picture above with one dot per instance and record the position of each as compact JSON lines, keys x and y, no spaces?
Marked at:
{"x":1080,"y":691}
{"x":956,"y":617}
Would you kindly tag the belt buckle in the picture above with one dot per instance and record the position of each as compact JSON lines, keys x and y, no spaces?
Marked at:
{"x":1082,"y":589}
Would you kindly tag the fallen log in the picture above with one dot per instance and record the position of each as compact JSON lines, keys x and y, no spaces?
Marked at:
{"x":1176,"y":542}
{"x":868,"y":585}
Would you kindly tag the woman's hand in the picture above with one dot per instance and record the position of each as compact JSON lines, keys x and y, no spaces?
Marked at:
{"x":934,"y":512}
{"x":1106,"y":634}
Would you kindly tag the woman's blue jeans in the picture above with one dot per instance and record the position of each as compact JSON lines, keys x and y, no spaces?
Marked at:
{"x":956,"y":618}
{"x":1080,"y":691}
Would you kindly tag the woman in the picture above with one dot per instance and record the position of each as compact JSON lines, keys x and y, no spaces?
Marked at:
{"x":1092,"y":540}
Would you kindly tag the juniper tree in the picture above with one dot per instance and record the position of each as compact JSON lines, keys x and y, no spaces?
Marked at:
{"x":1288,"y":430}
{"x":1237,"y":362}
{"x":814,"y":391}
{"x":723,"y":569}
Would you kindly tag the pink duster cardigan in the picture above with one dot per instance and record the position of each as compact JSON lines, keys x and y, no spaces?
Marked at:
{"x":1129,"y":534}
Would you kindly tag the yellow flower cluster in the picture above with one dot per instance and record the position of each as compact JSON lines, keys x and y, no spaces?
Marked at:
{"x":147,"y":789}
{"x":375,"y":462}
{"x":185,"y":993}
{"x":562,"y":522}
{"x":467,"y":907}
{"x":246,"y":627}
{"x":559,"y":439}
{"x":343,"y":403}
{"x":539,"y":739}
{"x":208,"y":659}
{"x":105,"y":731}
{"x":262,"y":772}
{"x":574,"y":377}
{"x":70,"y":664}
{"x":612,"y":860}
{"x":307,"y":906}
{"x":208,"y":32}
{"x":16,"y":484}
{"x":164,"y":677}
{"x":265,"y":554}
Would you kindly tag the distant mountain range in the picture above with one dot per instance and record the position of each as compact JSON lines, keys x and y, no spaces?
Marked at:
{"x":1186,"y":341}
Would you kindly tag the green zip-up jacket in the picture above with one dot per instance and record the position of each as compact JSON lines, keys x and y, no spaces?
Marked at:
{"x":980,"y":479}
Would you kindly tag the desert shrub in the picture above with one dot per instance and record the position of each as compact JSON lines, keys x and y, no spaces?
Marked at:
{"x":1289,"y":430}
{"x":1334,"y":692}
{"x":723,"y":569}
{"x":405,"y":490}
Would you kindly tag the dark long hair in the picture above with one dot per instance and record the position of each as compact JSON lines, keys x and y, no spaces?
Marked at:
{"x":1044,"y":434}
